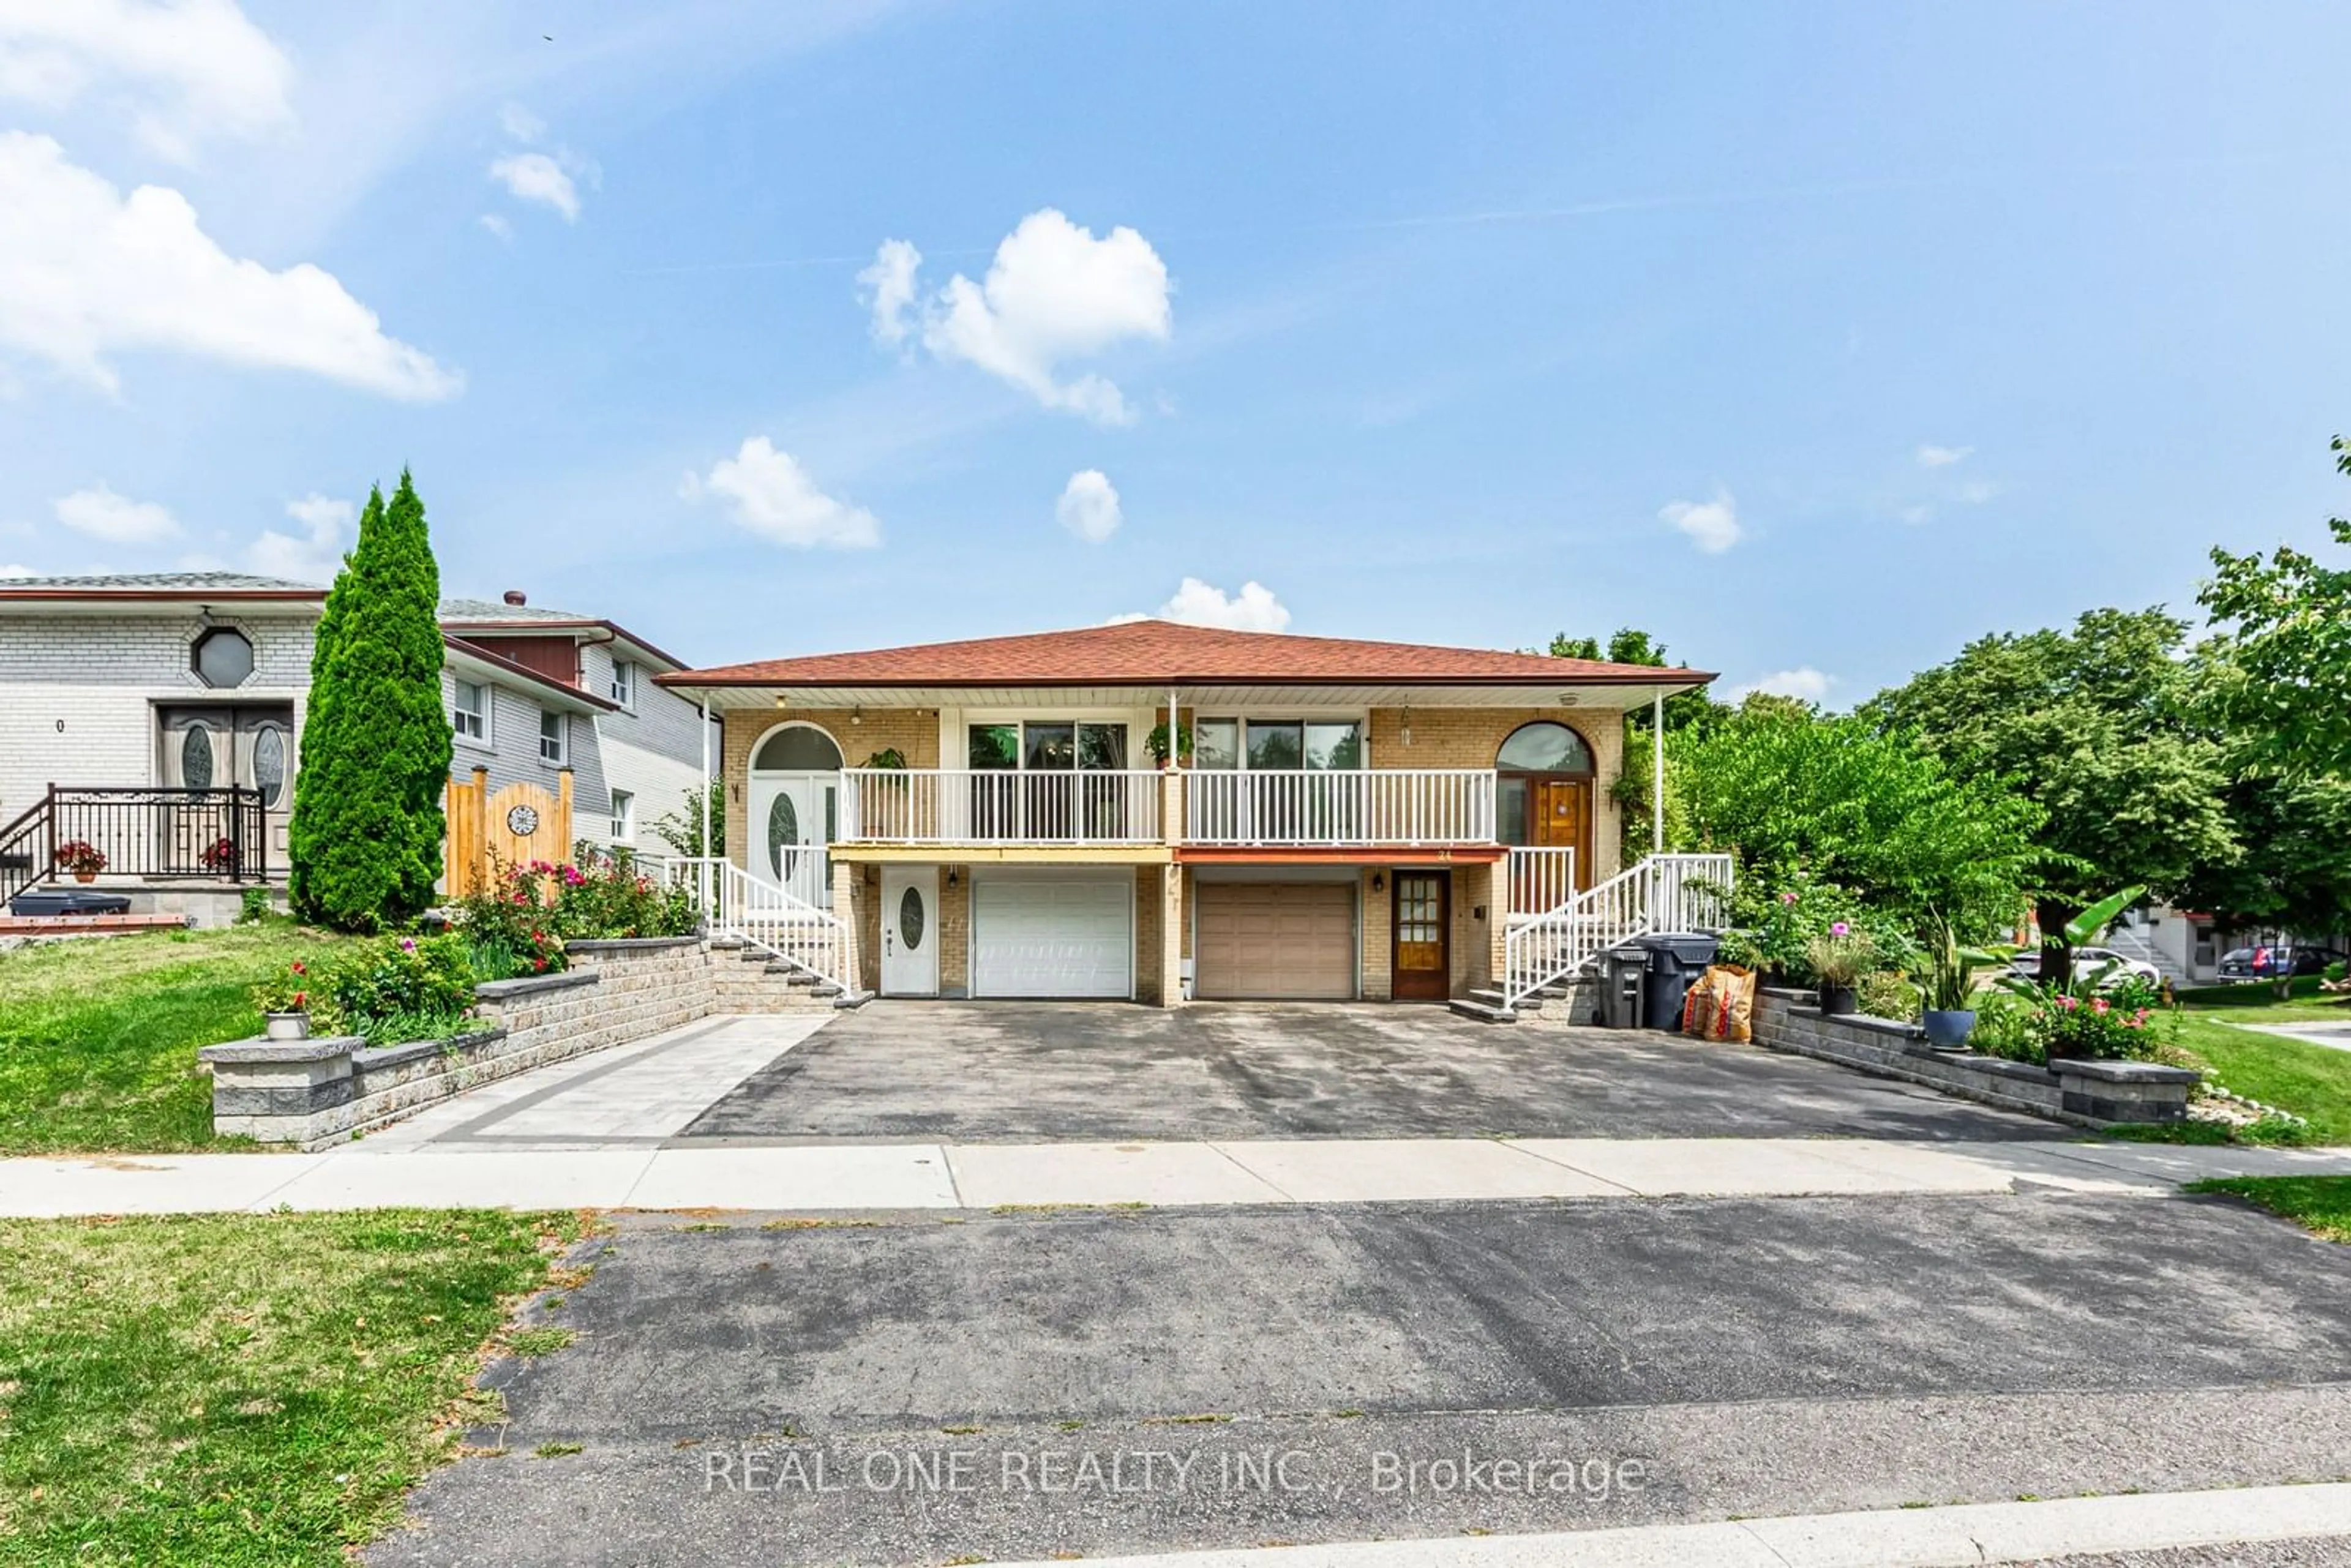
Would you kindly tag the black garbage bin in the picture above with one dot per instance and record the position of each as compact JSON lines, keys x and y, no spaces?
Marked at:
{"x":1675,"y":959}
{"x":62,"y":901}
{"x":1623,"y":976}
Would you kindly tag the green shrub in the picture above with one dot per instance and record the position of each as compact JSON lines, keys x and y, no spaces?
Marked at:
{"x":2115,"y":1025}
{"x":398,"y":988}
{"x":1883,"y":994}
{"x":253,"y":905}
{"x":2004,"y":1029}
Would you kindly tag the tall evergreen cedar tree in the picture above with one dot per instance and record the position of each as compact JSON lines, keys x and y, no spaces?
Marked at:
{"x":366,"y":831}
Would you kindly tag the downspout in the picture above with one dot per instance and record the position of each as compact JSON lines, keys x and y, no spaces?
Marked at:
{"x":1657,"y":774}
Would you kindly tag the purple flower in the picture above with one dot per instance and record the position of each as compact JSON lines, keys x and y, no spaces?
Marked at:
{"x":408,"y":944}
{"x":1840,"y":929}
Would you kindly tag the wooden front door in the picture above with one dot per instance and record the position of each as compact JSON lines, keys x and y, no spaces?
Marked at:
{"x":1422,"y":967}
{"x":1559,"y":816}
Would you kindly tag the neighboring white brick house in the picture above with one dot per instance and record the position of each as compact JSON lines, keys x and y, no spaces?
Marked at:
{"x":102,"y":679}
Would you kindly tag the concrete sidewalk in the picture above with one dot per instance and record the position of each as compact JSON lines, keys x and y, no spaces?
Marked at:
{"x":835,"y":1176}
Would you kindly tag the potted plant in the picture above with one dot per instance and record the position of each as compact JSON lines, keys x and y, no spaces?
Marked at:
{"x":1155,"y":743}
{"x":1950,"y":1015}
{"x":1838,"y":957}
{"x":285,"y":1003}
{"x":220,"y":855}
{"x":82,"y":857}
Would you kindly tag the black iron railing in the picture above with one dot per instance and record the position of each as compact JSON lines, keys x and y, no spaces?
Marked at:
{"x":137,"y":833}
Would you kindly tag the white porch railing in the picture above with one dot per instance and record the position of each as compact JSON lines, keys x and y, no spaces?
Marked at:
{"x":1339,"y":806}
{"x":782,"y":925}
{"x":1541,"y":879}
{"x":1000,"y":806}
{"x":1663,"y":893}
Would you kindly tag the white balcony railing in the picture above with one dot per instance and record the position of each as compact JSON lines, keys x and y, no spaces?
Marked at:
{"x":979,"y":806}
{"x":1340,"y":807}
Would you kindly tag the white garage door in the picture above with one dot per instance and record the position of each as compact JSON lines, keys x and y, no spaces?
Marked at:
{"x":1053,"y":936}
{"x":1282,"y":941}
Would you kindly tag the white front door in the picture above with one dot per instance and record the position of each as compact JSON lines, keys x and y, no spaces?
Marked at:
{"x":910,"y":931}
{"x":793,"y":818}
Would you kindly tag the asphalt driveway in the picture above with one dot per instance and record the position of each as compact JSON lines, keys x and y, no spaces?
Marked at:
{"x":906,"y":1390}
{"x":1012,"y":1071}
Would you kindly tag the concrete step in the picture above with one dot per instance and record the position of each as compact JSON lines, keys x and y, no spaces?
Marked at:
{"x":1491,"y":996}
{"x":1481,"y":1011}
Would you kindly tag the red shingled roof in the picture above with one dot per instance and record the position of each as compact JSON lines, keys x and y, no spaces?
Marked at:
{"x":1149,"y":653}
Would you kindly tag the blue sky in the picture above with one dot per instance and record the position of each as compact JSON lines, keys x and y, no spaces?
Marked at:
{"x":1816,"y":339}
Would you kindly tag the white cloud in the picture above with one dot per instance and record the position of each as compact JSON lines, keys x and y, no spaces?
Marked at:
{"x":1089,"y":506}
{"x":117,"y":519}
{"x":497,"y":225}
{"x":85,"y":270}
{"x":186,"y":67}
{"x":1196,"y":604}
{"x":1804,"y":683}
{"x":537,"y":177}
{"x":520,"y":124}
{"x":1712,"y":526}
{"x":314,"y":556}
{"x":18,"y":571}
{"x":889,"y":284}
{"x":773,"y":497}
{"x":1916,"y":516}
{"x":1942,"y":457}
{"x":1976,"y":492}
{"x":1054,"y":293}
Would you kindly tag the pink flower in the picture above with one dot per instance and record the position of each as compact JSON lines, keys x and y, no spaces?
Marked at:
{"x":1839,"y":929}
{"x":2068,"y":1003}
{"x":2101,"y":1005}
{"x":1787,"y":898}
{"x":408,"y":944}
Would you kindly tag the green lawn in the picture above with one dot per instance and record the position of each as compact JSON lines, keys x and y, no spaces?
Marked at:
{"x":227,"y":1389}
{"x":2311,"y":1080}
{"x":99,"y":1038}
{"x":2321,"y":1204}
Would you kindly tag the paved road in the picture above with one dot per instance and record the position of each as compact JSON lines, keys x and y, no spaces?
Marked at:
{"x":1010,"y":1072}
{"x":1690,"y":1359}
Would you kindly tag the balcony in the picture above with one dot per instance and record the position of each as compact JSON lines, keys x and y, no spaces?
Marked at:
{"x":1302,"y":809}
{"x":1351,"y":807}
{"x":997,"y":805}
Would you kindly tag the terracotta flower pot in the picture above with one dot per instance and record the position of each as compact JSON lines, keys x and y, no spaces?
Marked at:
{"x":85,"y":876}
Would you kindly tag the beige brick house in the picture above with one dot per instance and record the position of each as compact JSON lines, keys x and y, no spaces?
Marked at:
{"x":996,"y":818}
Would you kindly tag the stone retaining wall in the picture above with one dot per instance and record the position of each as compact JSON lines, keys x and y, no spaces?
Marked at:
{"x":2085,"y":1093}
{"x":313,"y":1092}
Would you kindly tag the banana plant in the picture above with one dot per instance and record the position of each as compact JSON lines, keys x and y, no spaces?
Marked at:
{"x":2080,"y":932}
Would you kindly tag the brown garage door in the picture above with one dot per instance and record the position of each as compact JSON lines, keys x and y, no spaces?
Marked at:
{"x":1276,"y":940}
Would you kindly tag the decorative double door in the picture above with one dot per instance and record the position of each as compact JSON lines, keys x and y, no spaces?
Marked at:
{"x":221,"y":748}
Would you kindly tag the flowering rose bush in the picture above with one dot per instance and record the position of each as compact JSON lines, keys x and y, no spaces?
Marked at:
{"x":286,"y":993}
{"x":391,"y":989}
{"x":2117,"y":1025}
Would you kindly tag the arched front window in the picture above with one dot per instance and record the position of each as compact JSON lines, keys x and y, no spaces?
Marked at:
{"x":797,"y":748}
{"x":1544,"y":747}
{"x":1543,"y":795}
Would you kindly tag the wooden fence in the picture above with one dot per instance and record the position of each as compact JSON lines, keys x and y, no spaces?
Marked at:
{"x":488,"y":831}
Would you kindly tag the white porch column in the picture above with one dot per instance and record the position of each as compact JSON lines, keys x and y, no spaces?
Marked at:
{"x":1657,"y":774}
{"x":702,"y":877}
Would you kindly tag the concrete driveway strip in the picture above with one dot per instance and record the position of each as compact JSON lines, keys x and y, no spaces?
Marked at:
{"x":990,"y":1176}
{"x":1718,"y":1168}
{"x":1379,"y":1170}
{"x":429,"y":1180}
{"x":146,"y":1183}
{"x":888,"y":1176}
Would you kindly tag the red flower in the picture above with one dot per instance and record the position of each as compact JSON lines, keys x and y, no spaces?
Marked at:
{"x":301,"y":1001}
{"x":538,"y":963}
{"x":296,"y":967}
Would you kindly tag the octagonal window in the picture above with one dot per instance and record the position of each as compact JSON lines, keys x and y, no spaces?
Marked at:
{"x":222,"y":657}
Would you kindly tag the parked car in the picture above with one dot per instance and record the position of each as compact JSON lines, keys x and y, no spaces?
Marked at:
{"x":2266,"y":963}
{"x":2118,"y":967}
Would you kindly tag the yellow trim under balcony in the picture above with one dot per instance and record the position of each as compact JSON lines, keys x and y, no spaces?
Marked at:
{"x":1002,"y":854}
